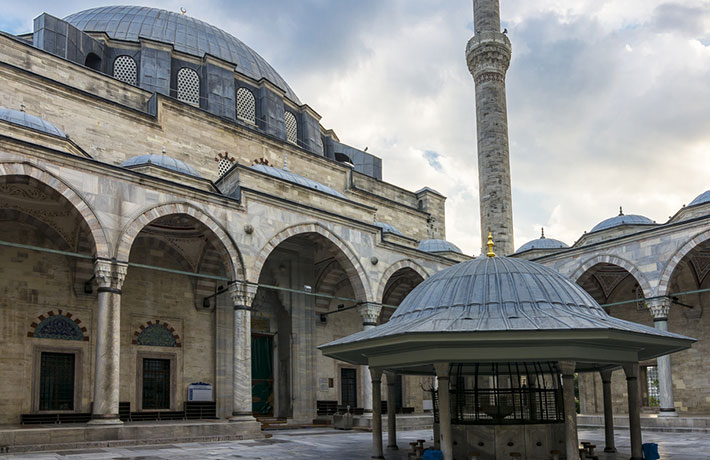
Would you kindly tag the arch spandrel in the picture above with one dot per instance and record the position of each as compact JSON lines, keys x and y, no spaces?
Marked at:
{"x":613,"y":260}
{"x":349,"y":259}
{"x":664,"y":280}
{"x":96,"y":230}
{"x":138,"y":223}
{"x":392,"y":269}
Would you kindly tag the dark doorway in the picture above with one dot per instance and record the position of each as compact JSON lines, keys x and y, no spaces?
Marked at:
{"x":348,"y":387}
{"x":398,"y":393}
{"x":262,"y":374}
{"x":93,"y":61}
{"x":56,"y":381}
{"x":156,"y":383}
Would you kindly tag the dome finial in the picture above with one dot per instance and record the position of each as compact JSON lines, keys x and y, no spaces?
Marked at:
{"x":490,"y":245}
{"x":164,"y":150}
{"x":183,"y":11}
{"x":621,"y":211}
{"x":542,"y":233}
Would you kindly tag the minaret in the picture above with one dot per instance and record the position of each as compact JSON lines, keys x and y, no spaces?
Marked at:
{"x":488,"y":56}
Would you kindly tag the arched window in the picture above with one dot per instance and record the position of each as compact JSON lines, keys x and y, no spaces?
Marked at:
{"x":188,"y":86}
{"x":156,"y":335}
{"x":58,"y":327}
{"x":93,"y":61}
{"x":125,"y":69}
{"x":223,"y":166}
{"x":246,"y":105}
{"x":291,"y":127}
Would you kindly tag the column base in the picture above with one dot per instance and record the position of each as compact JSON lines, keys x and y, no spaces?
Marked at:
{"x":668,"y":413}
{"x":393,"y":447}
{"x":99,"y":420}
{"x":610,"y":450}
{"x":242,"y":417}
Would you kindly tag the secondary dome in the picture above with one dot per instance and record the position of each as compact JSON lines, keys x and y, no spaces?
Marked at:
{"x":185,"y":33}
{"x":287,"y":175}
{"x":388,"y":228}
{"x":163,"y":161}
{"x":21,"y":118}
{"x":700,"y":199}
{"x":622,"y":219}
{"x":435,"y":245}
{"x":542,"y":243}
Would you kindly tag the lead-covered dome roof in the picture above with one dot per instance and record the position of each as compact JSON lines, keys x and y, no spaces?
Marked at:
{"x":163,"y":161}
{"x":542,"y":243}
{"x":21,"y":118}
{"x":185,"y":33}
{"x":294,"y":178}
{"x":700,"y":199}
{"x":436,"y":245}
{"x":622,"y":219}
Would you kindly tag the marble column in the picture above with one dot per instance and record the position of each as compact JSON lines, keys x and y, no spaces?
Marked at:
{"x":242,"y":296}
{"x":608,"y":413}
{"x":634,"y":391}
{"x":377,"y":451}
{"x":659,"y":309}
{"x":445,"y":436}
{"x":570,"y":409}
{"x":109,"y":276}
{"x":370,"y":312}
{"x":392,"y":411}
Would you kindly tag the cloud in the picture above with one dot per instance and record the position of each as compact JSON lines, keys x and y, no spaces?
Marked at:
{"x":433,"y":159}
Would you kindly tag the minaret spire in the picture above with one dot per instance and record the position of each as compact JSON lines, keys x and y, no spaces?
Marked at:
{"x":488,"y":56}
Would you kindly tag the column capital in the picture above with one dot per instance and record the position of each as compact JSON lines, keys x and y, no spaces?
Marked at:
{"x":110,"y":274}
{"x":242,"y":293}
{"x":606,"y":376}
{"x":376,"y":374}
{"x":567,"y":367}
{"x":442,"y":370}
{"x":370,"y":313}
{"x":631,"y":370}
{"x":659,"y":308}
{"x":391,"y":376}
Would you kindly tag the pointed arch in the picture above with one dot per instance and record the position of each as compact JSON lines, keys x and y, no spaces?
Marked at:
{"x":134,"y":227}
{"x":613,"y":260}
{"x":346,"y":256}
{"x":392,"y":269}
{"x":96,"y":230}
{"x":667,"y":272}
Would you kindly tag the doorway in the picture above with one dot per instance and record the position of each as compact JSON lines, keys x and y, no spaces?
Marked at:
{"x":56,"y":381}
{"x":262,"y":374}
{"x":156,"y":384}
{"x":348,"y":387}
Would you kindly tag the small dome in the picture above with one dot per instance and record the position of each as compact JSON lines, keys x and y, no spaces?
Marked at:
{"x":287,"y":175}
{"x":622,"y":219}
{"x":163,"y":161}
{"x":21,"y":118}
{"x":438,"y":246}
{"x":542,"y":243}
{"x":700,"y":199}
{"x":184,"y":32}
{"x":388,"y":228}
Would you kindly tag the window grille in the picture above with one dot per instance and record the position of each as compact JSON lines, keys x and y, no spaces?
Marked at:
{"x":223,"y":166}
{"x":291,"y":128}
{"x":56,"y":381}
{"x":125,"y":69}
{"x":156,"y":383}
{"x":654,"y":392}
{"x":246,"y":105}
{"x":188,"y":86}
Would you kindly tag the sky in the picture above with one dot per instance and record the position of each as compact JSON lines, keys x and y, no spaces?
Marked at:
{"x":608,"y":101}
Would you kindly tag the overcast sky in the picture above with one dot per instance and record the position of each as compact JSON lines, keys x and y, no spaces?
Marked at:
{"x":608,"y":101}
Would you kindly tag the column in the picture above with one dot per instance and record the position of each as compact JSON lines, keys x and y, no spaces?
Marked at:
{"x":377,"y":451}
{"x":446,"y":441}
{"x":634,"y":391}
{"x":570,"y":409}
{"x":392,"y":411}
{"x":608,"y":413}
{"x":659,"y":309}
{"x":242,"y":297}
{"x":370,"y":312}
{"x":109,"y":276}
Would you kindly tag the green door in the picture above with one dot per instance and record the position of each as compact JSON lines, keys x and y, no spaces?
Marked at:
{"x":262,"y":375}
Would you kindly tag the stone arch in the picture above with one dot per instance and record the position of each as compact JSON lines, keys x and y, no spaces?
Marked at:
{"x":351,"y":264}
{"x":392,"y":269}
{"x":69,"y":328}
{"x":134,"y":227}
{"x":164,"y":326}
{"x":672,"y":264}
{"x":95,"y":228}
{"x":613,"y":260}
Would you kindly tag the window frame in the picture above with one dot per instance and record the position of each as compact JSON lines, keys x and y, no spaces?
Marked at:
{"x":140,"y":356}
{"x":37,"y":351}
{"x":135,"y":63}
{"x":236,"y":101}
{"x":188,"y":69}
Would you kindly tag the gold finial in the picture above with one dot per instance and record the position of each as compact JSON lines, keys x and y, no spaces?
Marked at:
{"x":183,"y":11}
{"x":490,"y":245}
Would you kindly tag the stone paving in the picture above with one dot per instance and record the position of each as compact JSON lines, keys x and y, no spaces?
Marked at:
{"x":346,"y":445}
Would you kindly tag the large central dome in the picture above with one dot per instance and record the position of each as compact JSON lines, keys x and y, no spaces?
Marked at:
{"x":185,"y":33}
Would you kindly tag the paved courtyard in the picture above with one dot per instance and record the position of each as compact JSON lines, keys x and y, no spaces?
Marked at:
{"x":350,"y":445}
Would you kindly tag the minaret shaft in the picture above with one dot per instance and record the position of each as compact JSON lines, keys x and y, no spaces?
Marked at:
{"x":488,"y":55}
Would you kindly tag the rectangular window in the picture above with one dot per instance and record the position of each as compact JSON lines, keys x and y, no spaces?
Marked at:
{"x":156,"y":383}
{"x":348,"y":387}
{"x":56,"y":381}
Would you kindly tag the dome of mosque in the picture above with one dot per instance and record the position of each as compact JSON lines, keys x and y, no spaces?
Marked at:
{"x":287,"y":175}
{"x":21,"y":118}
{"x":622,"y":219}
{"x":185,"y":33}
{"x":163,"y":161}
{"x":700,"y":199}
{"x":438,"y":246}
{"x":388,"y":228}
{"x":542,"y":243}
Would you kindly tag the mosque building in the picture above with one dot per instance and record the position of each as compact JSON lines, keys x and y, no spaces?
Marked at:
{"x":178,"y":234}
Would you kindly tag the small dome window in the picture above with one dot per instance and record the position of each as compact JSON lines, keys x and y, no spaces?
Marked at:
{"x":246,"y":105}
{"x":291,"y":127}
{"x":224,"y":163}
{"x":126,"y":70}
{"x":188,"y":86}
